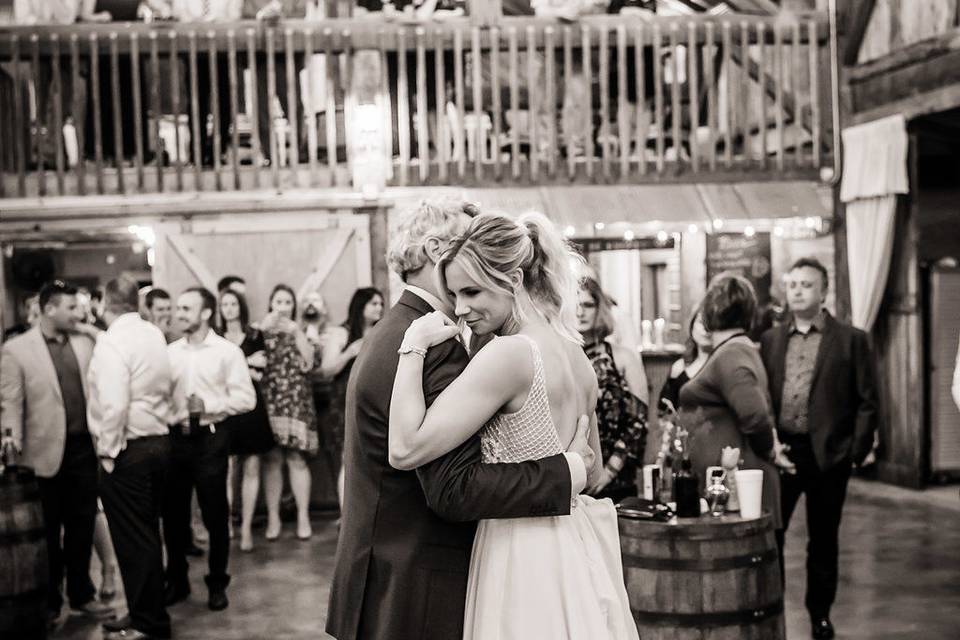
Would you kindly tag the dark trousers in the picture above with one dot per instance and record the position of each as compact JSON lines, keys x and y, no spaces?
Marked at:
{"x":205,"y":104}
{"x":200,"y":461}
{"x":825,"y":492}
{"x":132,"y":496}
{"x":69,"y":501}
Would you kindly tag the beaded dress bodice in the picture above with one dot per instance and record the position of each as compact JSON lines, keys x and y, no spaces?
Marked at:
{"x":528,"y":433}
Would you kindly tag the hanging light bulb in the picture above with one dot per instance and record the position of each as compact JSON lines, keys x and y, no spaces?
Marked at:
{"x":810,"y":222}
{"x":628,"y":235}
{"x":749,"y":231}
{"x":693,"y":228}
{"x":662,"y":236}
{"x":570,"y":230}
{"x":718,"y":223}
{"x":598,"y":226}
{"x":778,"y":231}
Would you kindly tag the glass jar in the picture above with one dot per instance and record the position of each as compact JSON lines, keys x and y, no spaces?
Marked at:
{"x":717,"y":496}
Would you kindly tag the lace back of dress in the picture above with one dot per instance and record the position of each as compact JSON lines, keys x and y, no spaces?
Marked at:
{"x":526,"y":434}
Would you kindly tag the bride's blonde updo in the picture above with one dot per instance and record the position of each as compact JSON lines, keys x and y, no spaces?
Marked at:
{"x":495,"y":246}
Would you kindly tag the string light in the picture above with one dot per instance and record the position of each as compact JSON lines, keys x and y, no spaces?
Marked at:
{"x":662,"y":236}
{"x":628,"y":235}
{"x":569,"y":231}
{"x":749,"y":231}
{"x":718,"y":223}
{"x":693,"y":228}
{"x":778,"y":231}
{"x":598,"y":226}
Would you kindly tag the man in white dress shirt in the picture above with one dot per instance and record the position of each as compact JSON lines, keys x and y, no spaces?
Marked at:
{"x":127,"y":412}
{"x":210,"y":382}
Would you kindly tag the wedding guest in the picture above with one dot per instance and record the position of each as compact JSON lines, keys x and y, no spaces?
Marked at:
{"x":621,"y":404}
{"x":289,"y":401}
{"x":340,"y":349}
{"x":159,"y":309}
{"x":250,"y":433}
{"x":129,"y":384}
{"x":727,"y":404}
{"x":210,"y":382}
{"x":823,"y":385}
{"x":29,"y":312}
{"x":236,"y":283}
{"x":699,"y":345}
{"x":43,"y":396}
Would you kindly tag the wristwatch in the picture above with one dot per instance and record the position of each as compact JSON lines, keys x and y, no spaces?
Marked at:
{"x":409,"y":348}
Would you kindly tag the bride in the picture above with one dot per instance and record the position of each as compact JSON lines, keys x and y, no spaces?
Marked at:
{"x":542,"y":577}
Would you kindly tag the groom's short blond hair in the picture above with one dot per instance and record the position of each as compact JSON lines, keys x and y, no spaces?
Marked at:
{"x":443,"y":219}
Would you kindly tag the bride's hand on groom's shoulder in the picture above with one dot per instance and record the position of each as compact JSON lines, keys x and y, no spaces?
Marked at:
{"x":430,"y":330}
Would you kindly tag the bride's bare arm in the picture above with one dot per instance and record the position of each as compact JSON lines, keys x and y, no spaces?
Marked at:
{"x":418,"y":436}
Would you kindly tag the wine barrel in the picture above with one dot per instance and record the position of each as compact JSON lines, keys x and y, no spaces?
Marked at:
{"x":23,"y":557}
{"x":703,"y":578}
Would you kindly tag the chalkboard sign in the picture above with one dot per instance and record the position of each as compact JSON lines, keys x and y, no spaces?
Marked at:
{"x":747,"y":255}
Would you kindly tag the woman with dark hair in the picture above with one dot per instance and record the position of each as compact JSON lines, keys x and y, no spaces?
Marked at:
{"x":287,"y":391}
{"x":727,"y":404}
{"x":250,"y":433}
{"x":694,"y":357}
{"x":340,"y":348}
{"x":621,"y":403}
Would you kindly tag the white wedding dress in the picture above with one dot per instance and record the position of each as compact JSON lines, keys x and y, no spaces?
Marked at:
{"x":549,"y":578}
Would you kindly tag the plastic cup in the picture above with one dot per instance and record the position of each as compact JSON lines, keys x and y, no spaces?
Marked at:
{"x":750,"y":492}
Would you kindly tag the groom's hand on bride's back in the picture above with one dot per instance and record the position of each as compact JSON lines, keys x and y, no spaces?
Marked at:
{"x":581,"y":445}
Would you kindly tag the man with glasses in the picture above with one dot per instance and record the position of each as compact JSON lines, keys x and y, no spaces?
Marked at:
{"x":43,"y":395}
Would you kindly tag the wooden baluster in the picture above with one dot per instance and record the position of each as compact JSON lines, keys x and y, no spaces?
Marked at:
{"x":565,"y":133}
{"x":477,"y":103}
{"x":403,"y":105}
{"x":97,"y":117}
{"x":743,"y":95}
{"x":57,"y":97}
{"x":234,"y":89}
{"x":659,"y":117}
{"x":311,"y":109}
{"x":175,"y":91}
{"x":459,"y":132}
{"x":292,"y":107}
{"x":710,"y":77}
{"x":778,"y":60}
{"x":550,"y":98}
{"x":423,"y":135}
{"x":330,"y":115}
{"x":495,"y":89}
{"x":729,"y":96}
{"x":762,"y":107}
{"x":212,"y":59}
{"x":38,"y":135}
{"x":253,"y":109}
{"x":195,"y":122}
{"x":676,"y":110}
{"x":814,"y":62}
{"x":442,"y":141}
{"x":589,"y":143}
{"x":272,"y":106}
{"x":346,"y":51}
{"x":18,"y":126}
{"x":693,"y":86}
{"x":155,"y":106}
{"x":603,"y":53}
{"x":796,"y":73}
{"x":532,"y":105}
{"x":387,"y":102}
{"x":137,"y":87}
{"x":514,"y":58}
{"x":623,"y":114}
{"x":641,"y":82}
{"x":115,"y":107}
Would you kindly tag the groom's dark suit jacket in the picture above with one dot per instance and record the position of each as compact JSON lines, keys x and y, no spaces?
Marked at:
{"x":842,"y":414}
{"x":405,"y":537}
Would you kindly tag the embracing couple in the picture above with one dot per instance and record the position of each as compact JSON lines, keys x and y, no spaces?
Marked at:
{"x":462,"y":513}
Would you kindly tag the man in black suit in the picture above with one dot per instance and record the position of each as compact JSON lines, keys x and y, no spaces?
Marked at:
{"x":406,"y":537}
{"x":822,"y":383}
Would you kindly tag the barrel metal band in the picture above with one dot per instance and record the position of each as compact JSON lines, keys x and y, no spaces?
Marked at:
{"x":705,"y":620}
{"x":701,"y":564}
{"x":11,"y":538}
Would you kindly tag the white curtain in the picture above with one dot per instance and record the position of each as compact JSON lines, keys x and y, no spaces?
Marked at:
{"x":874,"y":171}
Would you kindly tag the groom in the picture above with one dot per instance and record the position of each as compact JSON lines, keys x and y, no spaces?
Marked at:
{"x":405,"y":537}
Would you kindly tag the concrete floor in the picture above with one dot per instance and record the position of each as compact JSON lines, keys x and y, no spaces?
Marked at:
{"x":900,"y":577}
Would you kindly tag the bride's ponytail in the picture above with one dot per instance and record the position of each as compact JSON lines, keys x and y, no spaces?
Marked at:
{"x":552,"y":275}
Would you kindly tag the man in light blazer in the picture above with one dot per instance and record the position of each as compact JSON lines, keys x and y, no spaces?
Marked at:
{"x":43,"y":396}
{"x":823,"y":387}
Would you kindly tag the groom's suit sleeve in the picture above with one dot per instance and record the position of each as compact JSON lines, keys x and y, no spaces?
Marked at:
{"x":459,"y":487}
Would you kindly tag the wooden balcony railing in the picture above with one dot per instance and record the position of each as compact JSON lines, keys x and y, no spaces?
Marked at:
{"x":133,"y":108}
